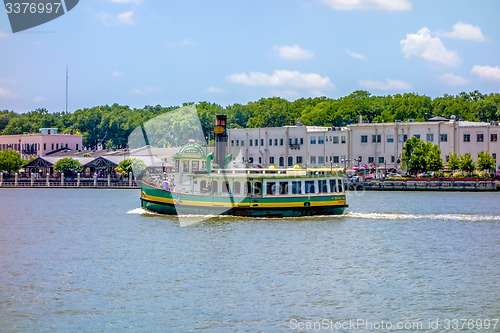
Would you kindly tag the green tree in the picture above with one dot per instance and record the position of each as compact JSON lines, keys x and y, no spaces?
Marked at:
{"x":406,"y":157}
{"x":124,"y":167}
{"x":467,"y":163}
{"x":68,"y":166}
{"x":454,"y":161}
{"x":138,"y":167}
{"x":485,"y":161}
{"x":10,"y":161}
{"x":434,"y":160}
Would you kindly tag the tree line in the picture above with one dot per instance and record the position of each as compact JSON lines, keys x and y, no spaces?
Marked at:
{"x":110,"y":126}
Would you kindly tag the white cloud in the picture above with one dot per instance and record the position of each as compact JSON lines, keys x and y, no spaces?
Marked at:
{"x":391,"y":5}
{"x":389,"y":84}
{"x":117,"y":74}
{"x":487,"y":72}
{"x":465,"y":31}
{"x":7,"y":93}
{"x":453,"y":80}
{"x":185,"y":42}
{"x":283,"y":78}
{"x":4,"y":34}
{"x":39,"y":99}
{"x":145,"y":91}
{"x":423,"y":45}
{"x":125,"y":18}
{"x":294,"y":52}
{"x":215,"y":90}
{"x":355,"y":55}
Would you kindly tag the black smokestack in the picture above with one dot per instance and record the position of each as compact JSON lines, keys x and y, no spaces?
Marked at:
{"x":220,"y":140}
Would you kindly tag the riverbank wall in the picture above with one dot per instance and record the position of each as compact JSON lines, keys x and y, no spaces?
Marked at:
{"x":465,"y":185}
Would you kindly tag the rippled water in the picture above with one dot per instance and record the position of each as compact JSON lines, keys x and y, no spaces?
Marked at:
{"x":91,"y":260}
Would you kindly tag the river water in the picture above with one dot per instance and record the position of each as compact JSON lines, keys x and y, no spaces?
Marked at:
{"x":91,"y":260}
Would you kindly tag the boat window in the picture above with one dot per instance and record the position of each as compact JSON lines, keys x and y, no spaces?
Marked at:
{"x":296,"y":187}
{"x":340,"y":186}
{"x":283,"y":187}
{"x":322,"y":186}
{"x":195,"y":166}
{"x":333,"y":185}
{"x":215,"y":186}
{"x":271,"y":188}
{"x":225,"y":187}
{"x":309,"y":186}
{"x":257,"y":188}
{"x":248,"y":188}
{"x":236,"y":187}
{"x":203,"y":186}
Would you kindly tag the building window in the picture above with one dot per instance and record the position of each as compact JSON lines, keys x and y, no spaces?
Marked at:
{"x":447,"y":158}
{"x":77,"y":146}
{"x":480,"y":137}
{"x":281,"y":142}
{"x":335,"y":139}
{"x":390,"y":138}
{"x":290,"y":141}
{"x":493,"y":137}
{"x":260,"y":159}
{"x":321,"y":140}
{"x":494,"y":156}
{"x":290,"y":161}
{"x":275,"y":142}
{"x":313,"y":140}
{"x":44,"y":146}
{"x":429,"y":137}
{"x":342,"y":139}
{"x":256,"y":142}
{"x":313,"y":159}
{"x":335,"y":159}
{"x":270,"y":142}
{"x":466,"y":137}
{"x":296,"y":141}
{"x":393,"y":159}
{"x":370,"y":159}
{"x":417,"y":136}
{"x":364,"y":138}
{"x":443,"y":137}
{"x":237,"y":142}
{"x":232,"y":142}
{"x":251,"y":142}
{"x":282,"y":161}
{"x":381,"y":159}
{"x":301,"y":141}
{"x":261,"y":142}
{"x":321,"y":160}
{"x":242,"y":143}
{"x":299,"y":159}
{"x":376,"y":138}
{"x":271,"y":160}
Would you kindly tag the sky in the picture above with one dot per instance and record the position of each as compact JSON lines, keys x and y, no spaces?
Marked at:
{"x":145,"y":52}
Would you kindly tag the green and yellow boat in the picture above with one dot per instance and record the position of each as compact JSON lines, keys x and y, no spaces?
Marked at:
{"x":206,"y":190}
{"x":250,"y":192}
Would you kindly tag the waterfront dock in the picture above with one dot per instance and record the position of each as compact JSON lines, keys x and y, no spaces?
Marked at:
{"x":108,"y":182}
{"x":432,"y":184}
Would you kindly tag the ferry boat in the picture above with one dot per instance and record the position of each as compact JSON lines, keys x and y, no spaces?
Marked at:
{"x":270,"y":192}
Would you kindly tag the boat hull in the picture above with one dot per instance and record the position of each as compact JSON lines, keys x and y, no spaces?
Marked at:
{"x":174,"y":203}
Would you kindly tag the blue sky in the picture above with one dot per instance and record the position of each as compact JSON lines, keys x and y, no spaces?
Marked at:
{"x":145,"y":52}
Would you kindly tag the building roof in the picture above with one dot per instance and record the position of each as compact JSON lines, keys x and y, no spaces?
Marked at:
{"x":438,"y":118}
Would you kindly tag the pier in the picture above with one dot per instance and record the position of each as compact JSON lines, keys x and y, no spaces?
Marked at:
{"x":431,"y":184}
{"x":49,"y":181}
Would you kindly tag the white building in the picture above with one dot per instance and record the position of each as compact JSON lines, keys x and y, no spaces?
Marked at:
{"x":289,"y":145}
{"x":381,"y":145}
{"x":374,"y":144}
